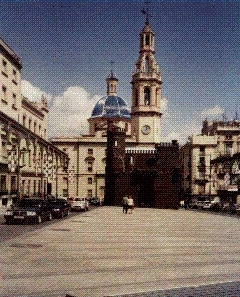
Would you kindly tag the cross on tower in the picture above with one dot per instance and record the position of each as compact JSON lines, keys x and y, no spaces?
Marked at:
{"x":145,"y":11}
{"x":111,"y":62}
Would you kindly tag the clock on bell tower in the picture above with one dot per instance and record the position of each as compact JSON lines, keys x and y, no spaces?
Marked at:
{"x":146,"y":91}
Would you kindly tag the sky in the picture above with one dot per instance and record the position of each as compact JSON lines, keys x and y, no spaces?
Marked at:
{"x":66,"y":47}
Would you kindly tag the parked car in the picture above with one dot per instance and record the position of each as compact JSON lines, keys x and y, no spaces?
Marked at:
{"x":60,"y":207}
{"x":198,"y":202}
{"x":192,"y":203}
{"x":70,"y":200}
{"x":237,"y":206}
{"x":203,"y":202}
{"x":31,"y":210}
{"x":229,"y":207}
{"x":216,"y":204}
{"x":95,"y":201}
{"x":206,"y":204}
{"x":80,"y":203}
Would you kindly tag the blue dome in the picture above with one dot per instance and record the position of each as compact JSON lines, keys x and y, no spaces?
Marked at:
{"x":111,"y":107}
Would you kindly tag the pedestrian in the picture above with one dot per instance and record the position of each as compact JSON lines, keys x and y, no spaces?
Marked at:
{"x":130,"y":204}
{"x":125,"y":204}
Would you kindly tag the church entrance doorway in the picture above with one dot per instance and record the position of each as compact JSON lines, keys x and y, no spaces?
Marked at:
{"x":144,"y":180}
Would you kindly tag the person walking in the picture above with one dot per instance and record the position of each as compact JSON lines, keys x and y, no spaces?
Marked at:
{"x":130,"y":204}
{"x":125,"y":204}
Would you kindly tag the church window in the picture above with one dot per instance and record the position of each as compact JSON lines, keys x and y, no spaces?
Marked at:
{"x":126,"y":127}
{"x":228,"y":149}
{"x":90,"y":165}
{"x":89,"y":194}
{"x":136,"y":97}
{"x":147,"y":39}
{"x":4,"y":91}
{"x":111,"y":87}
{"x":147,"y":96}
{"x":90,"y":151}
{"x":24,"y":120}
{"x":156,"y":97}
{"x":14,"y":100}
{"x":131,"y":160}
{"x":90,"y":180}
{"x":146,"y":64}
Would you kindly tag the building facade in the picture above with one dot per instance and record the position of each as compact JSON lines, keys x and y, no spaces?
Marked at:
{"x":149,"y":176}
{"x":218,"y":140}
{"x":89,"y":154}
{"x":28,"y":162}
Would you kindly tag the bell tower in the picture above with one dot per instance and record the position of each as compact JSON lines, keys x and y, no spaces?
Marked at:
{"x":146,"y":90}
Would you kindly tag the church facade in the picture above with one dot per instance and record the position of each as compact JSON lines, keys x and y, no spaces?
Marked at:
{"x":122,"y":153}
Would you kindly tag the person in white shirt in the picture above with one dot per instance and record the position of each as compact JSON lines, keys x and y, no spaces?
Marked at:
{"x":125,"y":204}
{"x":130,"y":204}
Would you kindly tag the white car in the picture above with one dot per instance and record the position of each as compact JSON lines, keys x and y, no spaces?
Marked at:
{"x":79,"y":203}
{"x":206,"y":204}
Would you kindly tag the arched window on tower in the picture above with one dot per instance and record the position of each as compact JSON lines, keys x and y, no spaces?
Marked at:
{"x":156,"y":103}
{"x":126,"y":127}
{"x":147,"y":40}
{"x":147,"y":64}
{"x":147,"y":96}
{"x":136,"y":97}
{"x":111,"y":87}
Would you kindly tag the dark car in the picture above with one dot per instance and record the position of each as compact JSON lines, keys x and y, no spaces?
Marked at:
{"x":229,"y":207}
{"x":60,"y":207}
{"x":95,"y":201}
{"x":31,"y":210}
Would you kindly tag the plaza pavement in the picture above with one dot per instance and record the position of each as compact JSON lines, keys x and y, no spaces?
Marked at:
{"x":107,"y":253}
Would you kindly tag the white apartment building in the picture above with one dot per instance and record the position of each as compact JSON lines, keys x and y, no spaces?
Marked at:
{"x":24,"y":149}
{"x":218,"y":139}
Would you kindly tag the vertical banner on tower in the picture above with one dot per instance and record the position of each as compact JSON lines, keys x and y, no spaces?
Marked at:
{"x":12,"y":161}
{"x":36,"y":164}
{"x":71,"y":176}
{"x":48,"y":166}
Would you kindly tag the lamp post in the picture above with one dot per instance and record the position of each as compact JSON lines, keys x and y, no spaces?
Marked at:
{"x":96,"y":185}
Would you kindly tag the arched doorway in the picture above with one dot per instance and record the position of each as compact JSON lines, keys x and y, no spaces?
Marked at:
{"x":144,"y":180}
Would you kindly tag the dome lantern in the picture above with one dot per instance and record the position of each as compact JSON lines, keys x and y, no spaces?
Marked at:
{"x":112,"y":83}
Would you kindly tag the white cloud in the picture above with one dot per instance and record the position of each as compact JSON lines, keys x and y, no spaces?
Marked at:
{"x":212,"y":112}
{"x":181,"y":130}
{"x":180,"y":124}
{"x":164,"y":104}
{"x":33,"y":93}
{"x":69,"y":112}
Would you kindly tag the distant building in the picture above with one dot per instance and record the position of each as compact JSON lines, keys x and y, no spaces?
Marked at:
{"x":218,"y":139}
{"x":140,"y":141}
{"x":27,"y":159}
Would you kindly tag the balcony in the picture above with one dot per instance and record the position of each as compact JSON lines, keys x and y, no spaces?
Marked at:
{"x":201,"y":181}
{"x":201,"y":166}
{"x":3,"y":192}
